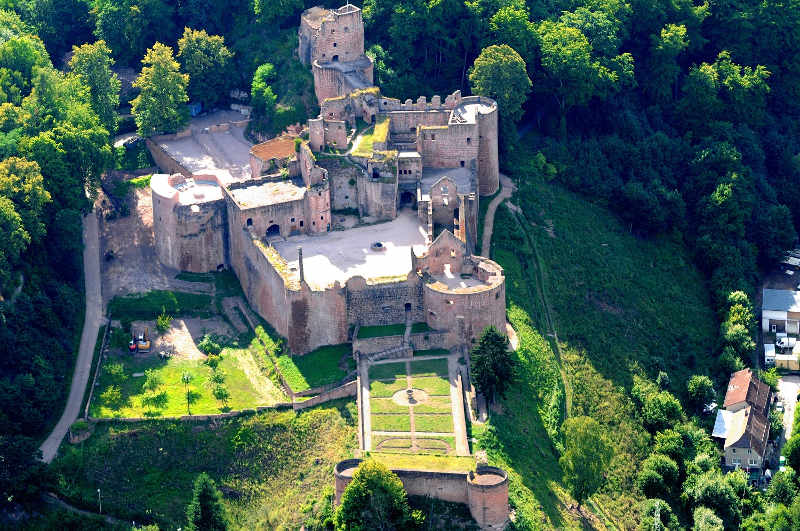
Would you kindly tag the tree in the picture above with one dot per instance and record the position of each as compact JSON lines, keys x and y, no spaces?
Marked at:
{"x":661,"y":411}
{"x":499,"y":73}
{"x":22,"y":475}
{"x":152,"y":380}
{"x":375,"y":499}
{"x":130,"y":26}
{"x":270,"y":11}
{"x":511,"y":26}
{"x":792,"y":451}
{"x":706,"y":520}
{"x":262,"y":98}
{"x":784,"y":487}
{"x":657,"y":515}
{"x":492,"y":364}
{"x":160,"y":106}
{"x":587,"y":454}
{"x":206,"y":60}
{"x":661,"y":81}
{"x":186,"y":378}
{"x":711,"y":490}
{"x":205,"y":512}
{"x":21,"y":182}
{"x":221,"y":393}
{"x":657,"y":476}
{"x":701,"y":391}
{"x":93,"y":62}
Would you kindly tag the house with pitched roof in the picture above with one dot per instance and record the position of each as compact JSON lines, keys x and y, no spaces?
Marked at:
{"x":743,"y":423}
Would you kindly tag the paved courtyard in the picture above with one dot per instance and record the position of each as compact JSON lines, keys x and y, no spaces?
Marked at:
{"x":340,"y":255}
{"x":788,"y":387}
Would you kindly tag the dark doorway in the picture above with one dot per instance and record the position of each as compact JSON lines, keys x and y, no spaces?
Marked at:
{"x":335,"y":58}
{"x":407,"y":198}
{"x":273,"y":230}
{"x":375,"y":173}
{"x":408,"y":306}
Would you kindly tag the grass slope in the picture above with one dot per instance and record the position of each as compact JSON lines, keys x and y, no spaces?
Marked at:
{"x":620,"y":306}
{"x":317,"y":368}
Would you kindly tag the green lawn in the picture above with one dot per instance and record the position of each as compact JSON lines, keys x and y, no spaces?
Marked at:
{"x":146,"y":306}
{"x":386,"y":389}
{"x":435,"y":404}
{"x":382,"y":371}
{"x":433,"y":385}
{"x":386,"y":405}
{"x":419,"y":328}
{"x":391,"y":422}
{"x":146,"y":470}
{"x":434,"y":463}
{"x":435,"y":422}
{"x":366,"y":332}
{"x":317,"y":368}
{"x":426,"y":445}
{"x":436,"y":367}
{"x":247,"y":386}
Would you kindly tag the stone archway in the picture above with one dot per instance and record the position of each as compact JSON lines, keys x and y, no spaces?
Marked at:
{"x":273,"y":230}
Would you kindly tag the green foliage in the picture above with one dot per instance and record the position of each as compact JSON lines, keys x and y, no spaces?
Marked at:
{"x":375,"y":498}
{"x":792,"y":451}
{"x":130,"y":27}
{"x":146,"y":306}
{"x":499,"y":73}
{"x":23,"y":472}
{"x":163,"y":321}
{"x":586,"y":455}
{"x":210,"y":345}
{"x":116,"y":373}
{"x":205,"y":512}
{"x":706,"y":520}
{"x":492,"y":366}
{"x":262,"y":97}
{"x":784,"y":487}
{"x":269,"y":12}
{"x":701,"y":391}
{"x":657,"y":476}
{"x":92,"y":62}
{"x":657,"y":515}
{"x":661,"y":410}
{"x":714,"y":491}
{"x":207,"y":61}
{"x":160,"y":106}
{"x":111,"y":397}
{"x":152,"y":380}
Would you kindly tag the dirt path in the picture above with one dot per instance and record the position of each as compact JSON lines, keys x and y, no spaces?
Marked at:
{"x":91,"y":325}
{"x":366,"y":420}
{"x":507,"y":188}
{"x":457,"y":401}
{"x":51,"y":499}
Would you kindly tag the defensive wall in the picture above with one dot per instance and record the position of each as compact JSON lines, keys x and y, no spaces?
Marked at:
{"x":484,"y":490}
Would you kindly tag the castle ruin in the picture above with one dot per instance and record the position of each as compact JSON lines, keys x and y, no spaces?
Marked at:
{"x":370,"y":221}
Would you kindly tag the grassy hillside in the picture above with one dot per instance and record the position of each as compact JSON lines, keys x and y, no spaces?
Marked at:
{"x":619,"y":306}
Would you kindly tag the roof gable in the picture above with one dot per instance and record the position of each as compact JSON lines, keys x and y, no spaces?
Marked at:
{"x":743,"y":386}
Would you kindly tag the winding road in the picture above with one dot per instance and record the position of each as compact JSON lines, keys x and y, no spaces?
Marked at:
{"x":91,"y":324}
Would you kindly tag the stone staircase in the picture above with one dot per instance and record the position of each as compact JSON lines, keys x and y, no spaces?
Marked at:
{"x":400,"y":352}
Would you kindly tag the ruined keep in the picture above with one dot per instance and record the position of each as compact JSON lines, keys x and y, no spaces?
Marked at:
{"x":410,"y":184}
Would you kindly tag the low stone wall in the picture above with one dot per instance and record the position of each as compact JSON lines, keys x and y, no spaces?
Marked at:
{"x":428,"y":340}
{"x":346,"y":390}
{"x":164,"y":161}
{"x":484,"y":490}
{"x":373,"y":345}
{"x":196,"y":418}
{"x":325,"y":388}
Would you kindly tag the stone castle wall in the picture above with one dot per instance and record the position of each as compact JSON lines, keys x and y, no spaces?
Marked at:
{"x":341,"y":33}
{"x":488,"y":154}
{"x":383,"y":304}
{"x":450,"y":146}
{"x":344,"y":195}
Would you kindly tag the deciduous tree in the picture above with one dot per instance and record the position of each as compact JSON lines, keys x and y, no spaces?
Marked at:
{"x":160,"y":107}
{"x":93,"y":62}
{"x":207,"y":61}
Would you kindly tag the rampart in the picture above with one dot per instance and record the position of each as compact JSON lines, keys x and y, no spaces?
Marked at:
{"x":484,"y":490}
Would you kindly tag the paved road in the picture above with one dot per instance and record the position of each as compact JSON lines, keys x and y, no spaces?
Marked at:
{"x":507,"y":188}
{"x":788,"y":386}
{"x":91,"y":325}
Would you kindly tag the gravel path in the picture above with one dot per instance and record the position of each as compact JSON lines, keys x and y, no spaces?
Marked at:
{"x":91,"y":325}
{"x":507,"y":188}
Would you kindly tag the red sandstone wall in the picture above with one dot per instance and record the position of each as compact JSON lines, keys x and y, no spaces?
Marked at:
{"x":342,"y":36}
{"x":488,"y":158}
{"x":448,"y":147}
{"x":318,"y":209}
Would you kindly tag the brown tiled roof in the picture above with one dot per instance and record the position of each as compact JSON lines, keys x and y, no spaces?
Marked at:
{"x":745,"y":387}
{"x":753,"y":434}
{"x":280,"y":147}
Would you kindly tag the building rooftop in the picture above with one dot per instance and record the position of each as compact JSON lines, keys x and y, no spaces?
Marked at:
{"x":461,"y":176}
{"x":781,"y":300}
{"x":467,"y":113}
{"x":187,"y":191}
{"x":745,"y":387}
{"x":281,"y":147}
{"x":314,"y":16}
{"x":747,"y":428}
{"x":340,"y":255}
{"x":268,"y":193}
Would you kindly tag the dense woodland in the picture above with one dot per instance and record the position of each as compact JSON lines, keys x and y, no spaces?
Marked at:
{"x":681,"y":116}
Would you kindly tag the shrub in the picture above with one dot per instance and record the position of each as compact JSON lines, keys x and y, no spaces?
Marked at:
{"x":792,"y":451}
{"x":213,"y":361}
{"x":657,"y":475}
{"x":297,"y":143}
{"x":112,"y":396}
{"x":79,"y":426}
{"x":657,"y":515}
{"x":116,"y":372}
{"x":209,"y":345}
{"x":163,"y":321}
{"x":661,"y":410}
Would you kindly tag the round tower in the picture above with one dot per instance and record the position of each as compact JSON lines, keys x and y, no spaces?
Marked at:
{"x":487,"y":493}
{"x":488,"y":157}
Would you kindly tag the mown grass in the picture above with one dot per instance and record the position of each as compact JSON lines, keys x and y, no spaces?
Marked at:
{"x":147,"y":306}
{"x":386,"y":405}
{"x":366,"y":332}
{"x":146,"y":470}
{"x":387,"y":371}
{"x":433,"y":463}
{"x":391,"y":422}
{"x":385,"y":389}
{"x":433,"y":385}
{"x":245,"y":391}
{"x":317,"y":368}
{"x":434,"y":404}
{"x":434,"y":422}
{"x":419,"y":328}
{"x":436,"y":367}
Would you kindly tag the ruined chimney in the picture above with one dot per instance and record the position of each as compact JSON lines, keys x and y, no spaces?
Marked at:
{"x":300,"y":264}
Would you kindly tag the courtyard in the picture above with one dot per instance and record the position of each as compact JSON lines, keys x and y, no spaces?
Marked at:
{"x":414,"y":406}
{"x":340,"y":255}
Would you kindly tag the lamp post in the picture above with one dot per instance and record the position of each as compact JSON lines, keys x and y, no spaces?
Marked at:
{"x":99,"y":501}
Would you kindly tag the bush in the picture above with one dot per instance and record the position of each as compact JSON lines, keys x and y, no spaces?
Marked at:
{"x":116,"y":372}
{"x":657,"y":476}
{"x":792,"y":451}
{"x":112,"y":396}
{"x":79,"y":426}
{"x":209,"y":345}
{"x":163,"y":321}
{"x":661,"y":411}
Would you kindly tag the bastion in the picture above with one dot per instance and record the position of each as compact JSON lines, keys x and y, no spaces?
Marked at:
{"x":484,"y":490}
